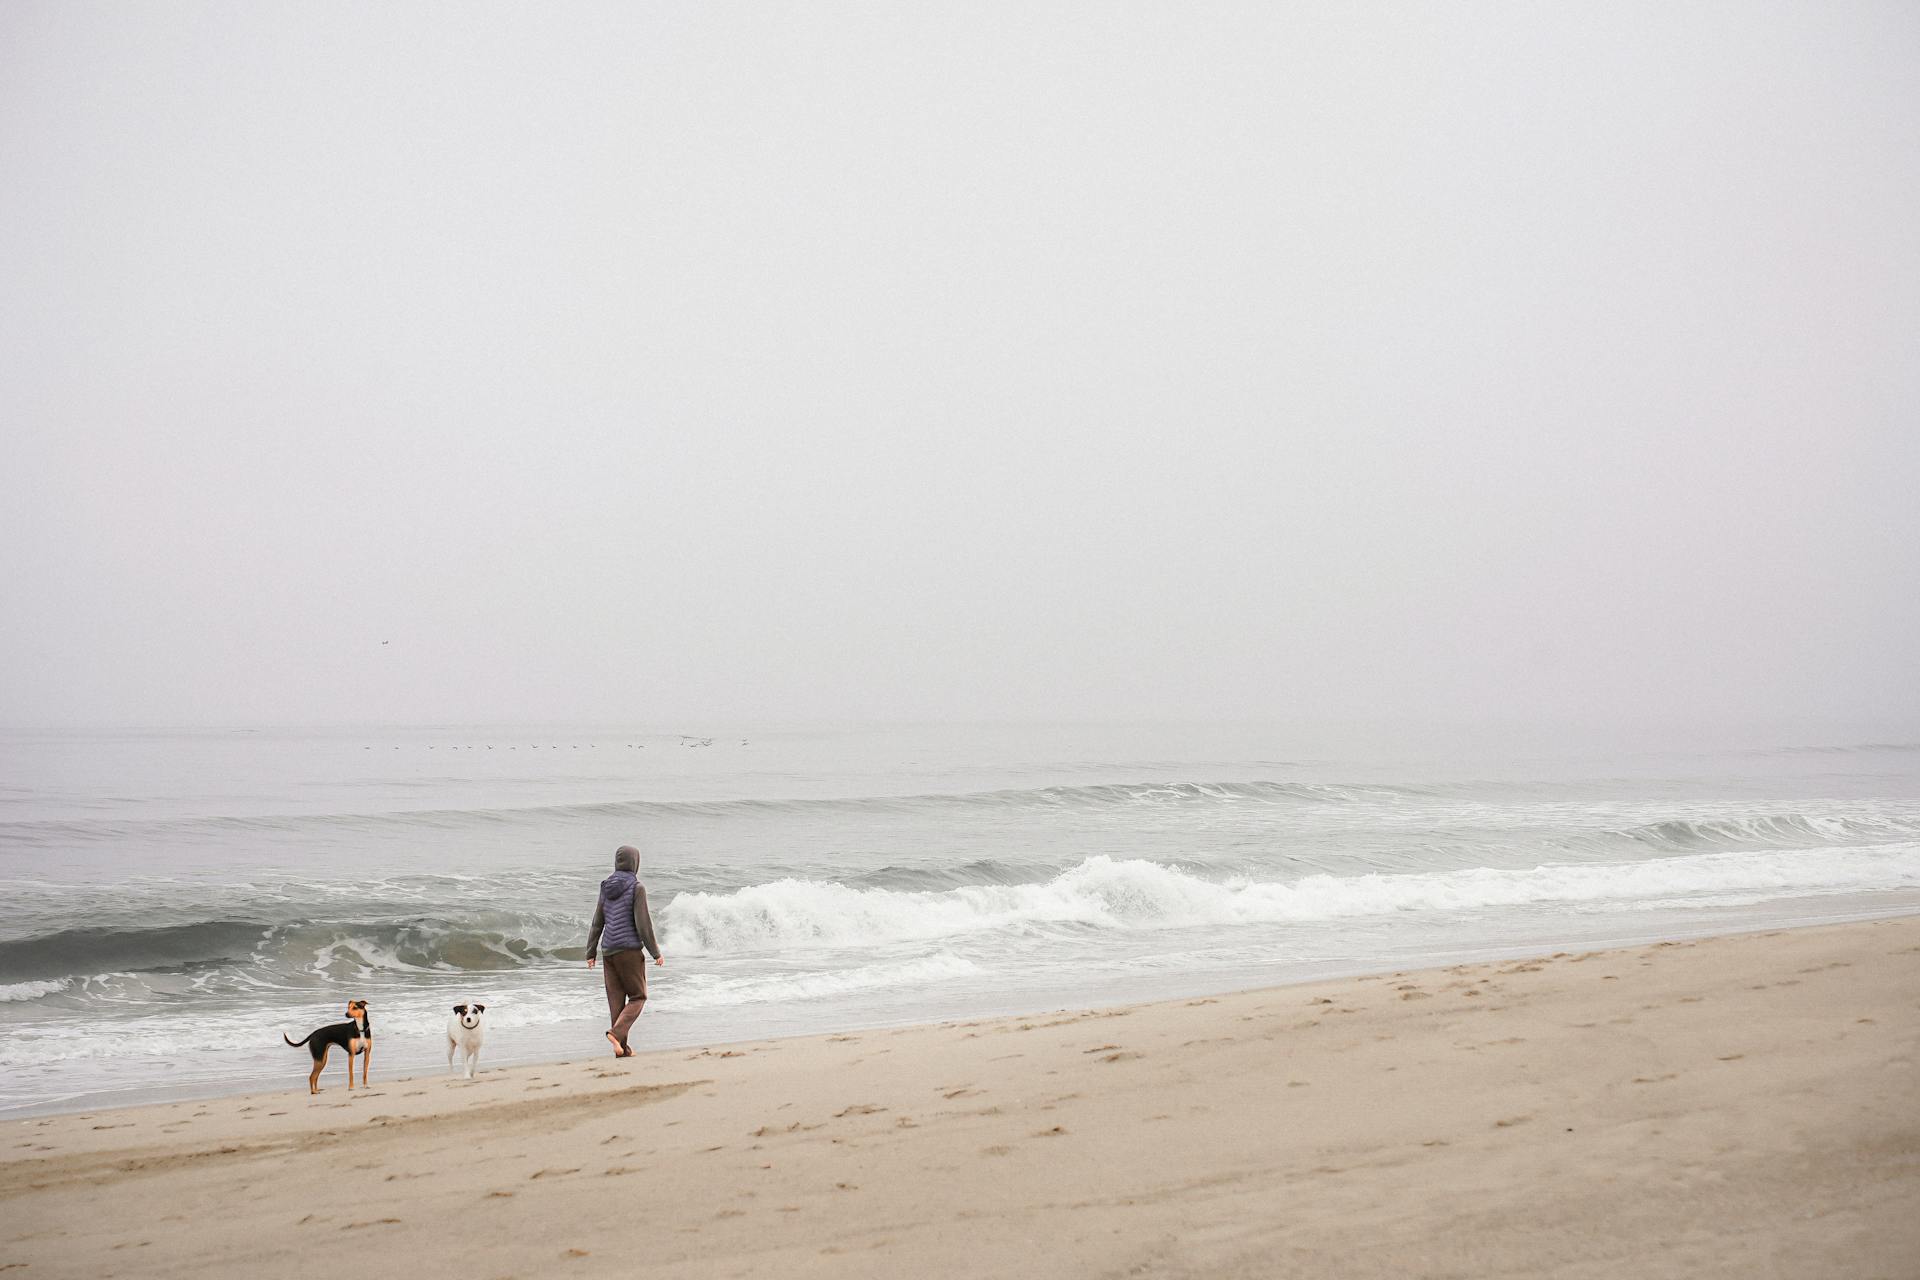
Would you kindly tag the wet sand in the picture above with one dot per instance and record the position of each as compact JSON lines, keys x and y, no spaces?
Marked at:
{"x":1743,"y":1106}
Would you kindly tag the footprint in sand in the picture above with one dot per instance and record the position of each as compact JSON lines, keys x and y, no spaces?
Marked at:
{"x":1511,"y":1121}
{"x":550,"y":1173}
{"x":858,"y":1109}
{"x":996,"y":1151}
{"x":376,"y":1222}
{"x":498,"y":1195}
{"x":1100,"y":1048}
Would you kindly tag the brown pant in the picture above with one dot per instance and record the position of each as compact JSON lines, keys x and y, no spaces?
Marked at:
{"x":626,"y":977}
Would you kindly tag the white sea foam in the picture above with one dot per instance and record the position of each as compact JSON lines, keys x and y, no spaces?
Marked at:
{"x":12,"y":991}
{"x":409,"y":1022}
{"x":816,"y":985}
{"x":1135,"y":894}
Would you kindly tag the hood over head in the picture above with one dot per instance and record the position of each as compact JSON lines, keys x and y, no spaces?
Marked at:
{"x":626,"y":858}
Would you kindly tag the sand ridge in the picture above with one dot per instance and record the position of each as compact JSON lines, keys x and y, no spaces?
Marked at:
{"x":1741,"y":1105}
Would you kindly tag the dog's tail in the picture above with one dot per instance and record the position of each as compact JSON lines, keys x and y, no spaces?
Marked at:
{"x":302,"y":1040}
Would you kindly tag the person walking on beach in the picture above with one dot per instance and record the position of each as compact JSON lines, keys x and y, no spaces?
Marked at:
{"x":620,"y":919}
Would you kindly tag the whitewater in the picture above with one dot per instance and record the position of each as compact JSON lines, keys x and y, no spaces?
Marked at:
{"x":170,"y":902}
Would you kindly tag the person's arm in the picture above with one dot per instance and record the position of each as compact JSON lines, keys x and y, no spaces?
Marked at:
{"x":643,"y":923}
{"x":593,"y":935}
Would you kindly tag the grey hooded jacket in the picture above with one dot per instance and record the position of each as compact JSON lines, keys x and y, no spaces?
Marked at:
{"x":621,"y":913}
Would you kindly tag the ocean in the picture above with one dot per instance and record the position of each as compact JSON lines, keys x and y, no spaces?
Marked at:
{"x":171,"y":902}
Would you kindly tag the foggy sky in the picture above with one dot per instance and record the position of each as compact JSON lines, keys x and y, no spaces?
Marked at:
{"x":698,"y":361}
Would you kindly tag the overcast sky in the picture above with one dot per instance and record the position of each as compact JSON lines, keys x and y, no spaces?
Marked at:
{"x":671,"y":362}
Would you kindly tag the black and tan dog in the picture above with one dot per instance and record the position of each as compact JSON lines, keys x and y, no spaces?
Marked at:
{"x":354,"y":1036}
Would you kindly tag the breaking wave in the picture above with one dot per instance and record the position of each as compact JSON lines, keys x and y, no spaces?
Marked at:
{"x":1102,"y":893}
{"x":72,"y":951}
{"x":296,"y":951}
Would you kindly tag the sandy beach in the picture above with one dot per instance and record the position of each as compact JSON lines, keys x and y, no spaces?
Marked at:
{"x":1747,"y":1105}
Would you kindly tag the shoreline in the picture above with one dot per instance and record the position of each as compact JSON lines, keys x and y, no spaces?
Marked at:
{"x":577,"y":1040}
{"x":1720,"y":1106}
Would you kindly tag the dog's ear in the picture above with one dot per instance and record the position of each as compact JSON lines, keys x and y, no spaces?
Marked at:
{"x":459,"y":1008}
{"x":479,"y":1008}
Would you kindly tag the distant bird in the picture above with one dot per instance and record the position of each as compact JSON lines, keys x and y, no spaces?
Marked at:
{"x":386,"y":642}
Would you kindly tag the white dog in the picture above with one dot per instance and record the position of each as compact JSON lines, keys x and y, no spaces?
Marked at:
{"x":466,"y":1032}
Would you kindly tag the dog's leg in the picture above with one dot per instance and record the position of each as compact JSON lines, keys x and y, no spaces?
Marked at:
{"x":349,"y":1048}
{"x":319,"y":1061}
{"x":452,"y":1044}
{"x":366,"y":1064}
